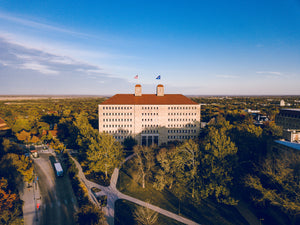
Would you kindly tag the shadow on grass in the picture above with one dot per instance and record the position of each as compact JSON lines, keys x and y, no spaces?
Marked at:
{"x":98,"y":178}
{"x":124,"y":215}
{"x":208,"y":212}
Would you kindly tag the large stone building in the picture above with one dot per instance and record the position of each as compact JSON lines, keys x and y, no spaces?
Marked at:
{"x":289,"y":120}
{"x":150,"y":118}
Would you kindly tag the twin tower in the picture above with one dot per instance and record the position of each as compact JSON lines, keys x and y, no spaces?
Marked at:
{"x":159,"y":90}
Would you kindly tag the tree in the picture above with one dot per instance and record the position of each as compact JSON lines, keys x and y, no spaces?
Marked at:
{"x":170,"y":169}
{"x":104,"y":152}
{"x":278,"y":182}
{"x":189,"y":152}
{"x":22,"y":164}
{"x":144,"y":160}
{"x":20,"y":124}
{"x":6,"y":197}
{"x":217,"y":161}
{"x":145,"y":216}
{"x":23,"y":136}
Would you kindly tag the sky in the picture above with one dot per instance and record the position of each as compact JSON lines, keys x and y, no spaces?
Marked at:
{"x":200,"y":47}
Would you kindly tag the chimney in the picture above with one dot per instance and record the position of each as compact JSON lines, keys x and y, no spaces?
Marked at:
{"x":160,"y":90}
{"x":138,"y":90}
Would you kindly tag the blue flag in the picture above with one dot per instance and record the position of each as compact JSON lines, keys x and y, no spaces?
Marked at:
{"x":158,"y":77}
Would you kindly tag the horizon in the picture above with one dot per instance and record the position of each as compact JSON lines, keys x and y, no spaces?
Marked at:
{"x":199,"y":48}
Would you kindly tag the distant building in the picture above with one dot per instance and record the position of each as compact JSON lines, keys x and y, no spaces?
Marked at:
{"x":150,"y":118}
{"x":288,"y":119}
{"x":252,"y":111}
{"x":282,"y":103}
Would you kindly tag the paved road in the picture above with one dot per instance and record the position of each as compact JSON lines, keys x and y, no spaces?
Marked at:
{"x":58,"y":201}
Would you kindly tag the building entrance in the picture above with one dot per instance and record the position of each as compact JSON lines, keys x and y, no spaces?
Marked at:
{"x":149,"y":139}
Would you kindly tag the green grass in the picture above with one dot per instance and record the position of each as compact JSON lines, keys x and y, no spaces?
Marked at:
{"x":208,"y":212}
{"x":124,"y":215}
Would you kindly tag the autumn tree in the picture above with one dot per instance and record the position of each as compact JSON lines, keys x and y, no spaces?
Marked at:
{"x":7,"y":201}
{"x":24,"y":136}
{"x":6,"y":197}
{"x":144,"y":161}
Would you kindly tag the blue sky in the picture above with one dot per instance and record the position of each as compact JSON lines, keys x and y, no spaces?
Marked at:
{"x":198,"y":47}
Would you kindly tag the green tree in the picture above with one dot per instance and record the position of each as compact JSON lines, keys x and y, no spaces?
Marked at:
{"x":170,"y":169}
{"x":217,"y":162}
{"x":20,"y":124}
{"x":22,"y":164}
{"x":104,"y":152}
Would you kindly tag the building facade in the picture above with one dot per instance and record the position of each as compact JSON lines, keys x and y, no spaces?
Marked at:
{"x":150,"y":118}
{"x":288,"y":118}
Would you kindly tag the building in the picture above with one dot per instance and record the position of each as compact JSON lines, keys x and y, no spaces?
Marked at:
{"x":288,"y":119}
{"x":291,"y":135}
{"x":150,"y":118}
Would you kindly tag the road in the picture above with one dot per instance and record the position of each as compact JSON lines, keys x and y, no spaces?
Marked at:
{"x":58,"y":201}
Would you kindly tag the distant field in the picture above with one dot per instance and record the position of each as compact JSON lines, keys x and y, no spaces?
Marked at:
{"x":21,"y":98}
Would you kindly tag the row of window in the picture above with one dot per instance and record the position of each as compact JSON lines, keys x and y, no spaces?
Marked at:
{"x":148,"y":107}
{"x":289,"y":115}
{"x":149,"y":125}
{"x":115,"y":120}
{"x":181,"y":137}
{"x":186,"y":108}
{"x":149,"y":114}
{"x":117,"y":125}
{"x":150,"y":120}
{"x":182,"y":131}
{"x":181,"y":125}
{"x":181,"y":120}
{"x":182,"y":114}
{"x":117,"y":114}
{"x":150,"y":132}
{"x":116,"y":108}
{"x":118,"y":131}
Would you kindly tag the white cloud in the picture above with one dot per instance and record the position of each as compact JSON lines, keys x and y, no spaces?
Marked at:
{"x":33,"y":24}
{"x":269,"y":72}
{"x":39,"y":67}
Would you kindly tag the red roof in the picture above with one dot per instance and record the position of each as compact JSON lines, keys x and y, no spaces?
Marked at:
{"x":148,"y":99}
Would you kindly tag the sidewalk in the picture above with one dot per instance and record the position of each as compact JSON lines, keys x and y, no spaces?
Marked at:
{"x":32,"y":199}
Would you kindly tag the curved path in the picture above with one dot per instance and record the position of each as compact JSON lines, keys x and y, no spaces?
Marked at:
{"x":113,"y":195}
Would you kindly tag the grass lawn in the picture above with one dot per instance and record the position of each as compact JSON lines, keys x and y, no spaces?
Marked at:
{"x":124,"y":214}
{"x":207,"y":213}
